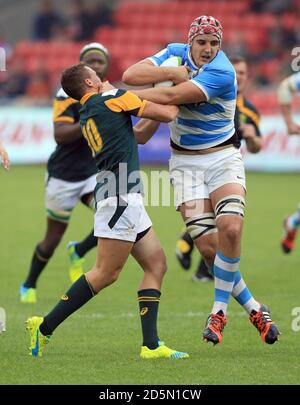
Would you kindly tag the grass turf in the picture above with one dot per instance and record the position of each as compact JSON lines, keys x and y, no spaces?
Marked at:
{"x":100,"y":343}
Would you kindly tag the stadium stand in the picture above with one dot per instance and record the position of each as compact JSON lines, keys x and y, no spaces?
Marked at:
{"x":139,"y":28}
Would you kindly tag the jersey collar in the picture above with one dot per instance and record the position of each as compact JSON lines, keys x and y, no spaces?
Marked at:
{"x":190,"y":59}
{"x":85,"y":98}
{"x":193,"y":63}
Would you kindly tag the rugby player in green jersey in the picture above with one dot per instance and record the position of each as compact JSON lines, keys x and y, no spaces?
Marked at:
{"x":121,"y":222}
{"x":70,"y":178}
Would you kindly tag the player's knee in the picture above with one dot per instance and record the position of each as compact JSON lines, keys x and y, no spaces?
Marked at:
{"x":113,"y":277}
{"x":54,"y":242}
{"x":49,"y":245}
{"x":207,"y":246}
{"x":229,"y":214}
{"x":157,"y":264}
{"x":231,"y":232}
{"x":162,"y":264}
{"x":101,"y":277}
{"x":208,"y":252}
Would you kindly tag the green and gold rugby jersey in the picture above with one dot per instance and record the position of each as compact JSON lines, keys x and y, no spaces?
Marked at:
{"x":71,"y":162}
{"x":105,"y":120}
{"x":246,"y":113}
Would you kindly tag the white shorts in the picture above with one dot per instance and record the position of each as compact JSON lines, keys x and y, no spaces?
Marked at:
{"x":62,"y":196}
{"x":122,"y":217}
{"x":195,"y":177}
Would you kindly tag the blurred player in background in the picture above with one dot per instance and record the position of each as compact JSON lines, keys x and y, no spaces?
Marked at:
{"x":287,"y":88}
{"x":71,"y":178}
{"x":246,"y":121}
{"x":4,"y":158}
{"x":206,"y":166}
{"x":121,"y":222}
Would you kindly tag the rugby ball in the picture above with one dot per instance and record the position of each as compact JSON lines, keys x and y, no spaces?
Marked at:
{"x":172,"y":61}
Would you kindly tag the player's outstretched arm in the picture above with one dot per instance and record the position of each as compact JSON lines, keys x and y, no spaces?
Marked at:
{"x":253,"y":141}
{"x":292,"y":127}
{"x":183,"y":93}
{"x":159,"y":112}
{"x":144,"y":130}
{"x":145,"y":72}
{"x":4,"y":157}
{"x":132,"y":104}
{"x":285,"y":94}
{"x":65,"y":132}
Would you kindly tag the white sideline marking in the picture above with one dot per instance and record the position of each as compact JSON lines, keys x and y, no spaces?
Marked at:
{"x":189,"y":314}
{"x":126,"y":315}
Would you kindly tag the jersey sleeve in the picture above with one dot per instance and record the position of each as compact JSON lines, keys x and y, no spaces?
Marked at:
{"x":214,"y":82}
{"x":64,"y":108}
{"x":253,"y":118}
{"x":170,"y":50}
{"x":250,"y":115}
{"x":127,"y":102}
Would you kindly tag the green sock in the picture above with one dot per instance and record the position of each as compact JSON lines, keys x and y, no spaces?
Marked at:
{"x":79,"y":293}
{"x":86,"y":245}
{"x":148,"y":303}
{"x":38,"y":263}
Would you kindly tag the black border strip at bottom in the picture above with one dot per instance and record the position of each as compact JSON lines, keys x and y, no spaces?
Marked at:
{"x":135,"y":393}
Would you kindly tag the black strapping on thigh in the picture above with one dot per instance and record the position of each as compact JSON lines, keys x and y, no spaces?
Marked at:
{"x":118,"y":212}
{"x":140,"y":235}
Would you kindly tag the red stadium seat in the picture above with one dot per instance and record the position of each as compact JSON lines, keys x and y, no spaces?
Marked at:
{"x":268,"y":20}
{"x":290,"y":20}
{"x":103,"y":34}
{"x":32,"y":64}
{"x":265,"y":101}
{"x":39,"y":49}
{"x":270,"y":68}
{"x":23,"y":49}
{"x":125,"y":63}
{"x":144,"y":27}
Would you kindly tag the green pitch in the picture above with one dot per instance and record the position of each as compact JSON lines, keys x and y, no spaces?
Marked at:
{"x":100,"y":343}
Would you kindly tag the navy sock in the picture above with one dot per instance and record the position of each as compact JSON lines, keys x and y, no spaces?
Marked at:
{"x":79,"y":293}
{"x":86,"y":245}
{"x":38,"y":263}
{"x":148,"y":303}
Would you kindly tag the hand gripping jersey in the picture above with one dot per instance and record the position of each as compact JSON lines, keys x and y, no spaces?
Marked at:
{"x":208,"y":124}
{"x":72,"y":162}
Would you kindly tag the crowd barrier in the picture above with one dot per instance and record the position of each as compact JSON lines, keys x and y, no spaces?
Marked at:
{"x":27,"y":133}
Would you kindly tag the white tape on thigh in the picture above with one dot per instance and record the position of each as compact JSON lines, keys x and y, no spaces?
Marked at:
{"x":231,"y":205}
{"x":200,"y":225}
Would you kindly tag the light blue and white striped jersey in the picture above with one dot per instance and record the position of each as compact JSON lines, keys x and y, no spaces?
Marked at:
{"x":203,"y":125}
{"x":295,"y":81}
